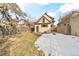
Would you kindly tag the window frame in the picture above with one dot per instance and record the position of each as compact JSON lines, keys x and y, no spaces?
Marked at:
{"x":44,"y":25}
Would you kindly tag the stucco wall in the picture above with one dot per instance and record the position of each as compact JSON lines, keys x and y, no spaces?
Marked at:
{"x":75,"y":25}
{"x":41,"y":21}
{"x":64,"y":28}
{"x":43,"y":29}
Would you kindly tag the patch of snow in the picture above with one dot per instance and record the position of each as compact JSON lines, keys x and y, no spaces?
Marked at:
{"x":59,"y":44}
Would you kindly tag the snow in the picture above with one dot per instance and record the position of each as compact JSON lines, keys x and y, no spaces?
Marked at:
{"x":58,"y":45}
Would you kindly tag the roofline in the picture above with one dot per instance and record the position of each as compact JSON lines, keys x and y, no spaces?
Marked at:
{"x":46,"y":18}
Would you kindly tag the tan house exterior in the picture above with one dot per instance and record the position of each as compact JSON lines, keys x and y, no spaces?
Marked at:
{"x":74,"y":22}
{"x":44,"y":24}
{"x":69,"y":24}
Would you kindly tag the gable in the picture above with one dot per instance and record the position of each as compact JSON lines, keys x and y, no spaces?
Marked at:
{"x":45,"y":19}
{"x":49,"y":18}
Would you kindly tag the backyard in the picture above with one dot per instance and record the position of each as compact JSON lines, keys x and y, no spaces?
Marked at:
{"x":23,"y":44}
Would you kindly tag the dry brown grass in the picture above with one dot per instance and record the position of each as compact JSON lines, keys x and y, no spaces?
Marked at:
{"x":24,"y":45}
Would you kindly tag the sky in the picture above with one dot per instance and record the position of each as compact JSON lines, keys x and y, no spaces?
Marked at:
{"x":36,"y":10}
{"x":56,"y":10}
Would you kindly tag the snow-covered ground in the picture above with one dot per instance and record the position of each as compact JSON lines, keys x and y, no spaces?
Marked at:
{"x":59,"y":44}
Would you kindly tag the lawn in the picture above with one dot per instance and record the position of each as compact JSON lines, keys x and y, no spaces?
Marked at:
{"x":24,"y":45}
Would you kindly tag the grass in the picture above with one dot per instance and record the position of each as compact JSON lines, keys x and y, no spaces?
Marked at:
{"x":24,"y":45}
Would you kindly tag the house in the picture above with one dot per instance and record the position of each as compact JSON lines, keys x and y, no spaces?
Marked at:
{"x":69,"y":24}
{"x":64,"y":26}
{"x":74,"y":22}
{"x":31,"y":26}
{"x":25,"y":26}
{"x":44,"y":24}
{"x":22,"y":26}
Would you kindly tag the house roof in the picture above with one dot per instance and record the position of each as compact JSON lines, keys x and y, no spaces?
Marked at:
{"x":49,"y":16}
{"x":44,"y":15}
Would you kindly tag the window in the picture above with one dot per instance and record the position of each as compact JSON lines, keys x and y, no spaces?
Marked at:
{"x":51,"y":25}
{"x":43,"y":20}
{"x":44,"y":25}
{"x":64,"y":24}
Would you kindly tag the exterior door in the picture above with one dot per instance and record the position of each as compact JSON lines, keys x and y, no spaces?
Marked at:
{"x":37,"y":28}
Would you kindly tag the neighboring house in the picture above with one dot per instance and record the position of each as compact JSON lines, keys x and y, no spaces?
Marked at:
{"x":22,"y":26}
{"x":44,"y":24}
{"x":74,"y":22}
{"x":25,"y":26}
{"x":69,"y":24}
{"x":31,"y":26}
{"x":64,"y":25}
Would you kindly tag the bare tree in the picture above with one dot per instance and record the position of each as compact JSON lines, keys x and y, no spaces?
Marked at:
{"x":6,"y":9}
